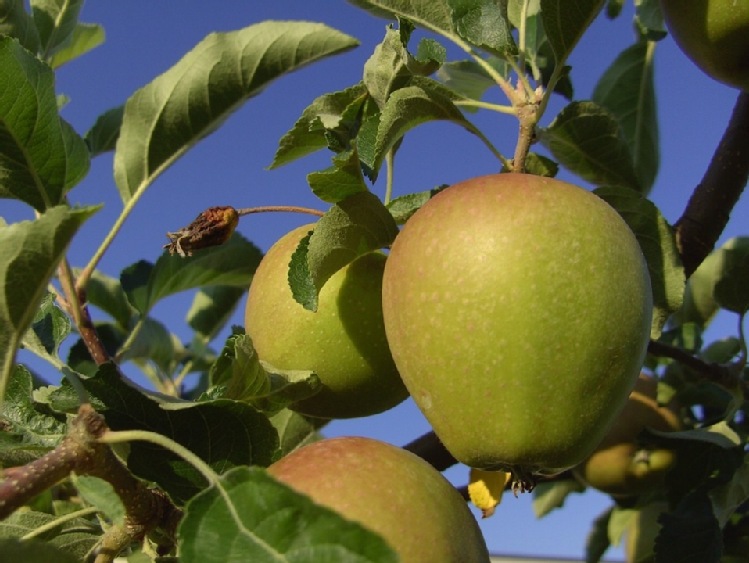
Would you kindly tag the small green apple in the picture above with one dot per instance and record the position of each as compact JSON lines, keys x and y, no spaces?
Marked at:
{"x":518,"y":311}
{"x":390,"y":491}
{"x":619,"y":466}
{"x":343,"y":342}
{"x":714,"y":34}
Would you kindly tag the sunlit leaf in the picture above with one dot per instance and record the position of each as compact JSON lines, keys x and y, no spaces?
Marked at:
{"x":85,"y":37}
{"x":587,"y":139}
{"x":249,"y":516}
{"x":483,"y":23}
{"x":658,"y":243}
{"x":31,"y":252}
{"x":171,"y":114}
{"x":41,"y":157}
{"x":403,"y":207}
{"x":295,"y":430}
{"x":100,"y":494}
{"x":341,"y":180}
{"x":626,"y":90}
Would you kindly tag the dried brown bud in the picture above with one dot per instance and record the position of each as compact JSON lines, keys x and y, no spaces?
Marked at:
{"x":212,"y":227}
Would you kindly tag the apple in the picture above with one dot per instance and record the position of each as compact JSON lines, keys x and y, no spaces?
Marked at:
{"x":390,"y":491}
{"x":621,"y":467}
{"x":518,"y":311}
{"x":343,"y":342}
{"x":714,"y":34}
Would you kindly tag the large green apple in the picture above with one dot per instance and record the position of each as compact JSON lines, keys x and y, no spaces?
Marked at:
{"x":390,"y":491}
{"x":343,"y":342}
{"x":518,"y":311}
{"x":714,"y":34}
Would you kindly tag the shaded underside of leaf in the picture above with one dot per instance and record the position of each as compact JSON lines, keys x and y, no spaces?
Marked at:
{"x":165,"y":118}
{"x":565,"y":22}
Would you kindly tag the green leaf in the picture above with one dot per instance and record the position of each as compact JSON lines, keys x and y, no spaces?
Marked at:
{"x":85,"y":37}
{"x":74,"y":538}
{"x":41,"y":157}
{"x":565,"y":23}
{"x":56,"y":21}
{"x":211,"y":309}
{"x":626,"y":90}
{"x":100,"y":494}
{"x":231,"y":264}
{"x":341,"y":180}
{"x":658,"y":243}
{"x":550,"y":495}
{"x":16,"y":22}
{"x":587,"y":139}
{"x":690,"y":533}
{"x":48,"y":330}
{"x":469,"y":79}
{"x":295,"y":430}
{"x":102,"y":137}
{"x":106,"y":293}
{"x":27,"y":433}
{"x":434,"y":15}
{"x":154,"y":343}
{"x":351,"y":228}
{"x":222,"y":433}
{"x":403,"y":207}
{"x":597,"y":542}
{"x":700,"y":305}
{"x":484,"y":23}
{"x":329,"y":114}
{"x":426,"y":100}
{"x":171,"y":114}
{"x":649,"y":19}
{"x":614,"y":8}
{"x":35,"y":551}
{"x":539,"y":165}
{"x":31,"y":252}
{"x":249,"y":516}
{"x":732,"y":289}
{"x":727,"y":498}
{"x":247,"y":379}
{"x":387,"y":69}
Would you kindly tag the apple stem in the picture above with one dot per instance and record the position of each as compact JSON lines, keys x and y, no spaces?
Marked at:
{"x":279,"y":209}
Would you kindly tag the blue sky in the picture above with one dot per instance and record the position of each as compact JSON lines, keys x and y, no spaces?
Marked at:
{"x":230,"y":168}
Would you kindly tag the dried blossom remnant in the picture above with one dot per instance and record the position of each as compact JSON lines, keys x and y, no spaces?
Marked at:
{"x":212,"y":227}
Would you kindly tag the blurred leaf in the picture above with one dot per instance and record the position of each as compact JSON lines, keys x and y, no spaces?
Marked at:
{"x":85,"y":37}
{"x":333,"y":113}
{"x":649,"y":19}
{"x":587,"y":139}
{"x":566,"y":22}
{"x":626,"y":90}
{"x":56,"y":21}
{"x":72,"y":539}
{"x":690,"y":533}
{"x":341,"y":180}
{"x":614,"y":8}
{"x":102,"y":137}
{"x":41,"y":157}
{"x":16,"y":22}
{"x":732,"y":290}
{"x":658,"y":243}
{"x":171,"y":114}
{"x":620,"y":523}
{"x":31,"y":252}
{"x":548,"y":495}
{"x":699,"y":299}
{"x":721,"y":351}
{"x":27,"y":433}
{"x":351,"y":228}
{"x":727,"y":498}
{"x":250,"y":516}
{"x":48,"y":330}
{"x":101,"y":495}
{"x":403,"y":207}
{"x":155,"y":343}
{"x":295,"y":430}
{"x":34,"y":551}
{"x":211,"y":309}
{"x":222,"y":433}
{"x":469,"y":79}
{"x":231,"y":264}
{"x":597,"y":542}
{"x":247,"y":379}
{"x":484,"y":23}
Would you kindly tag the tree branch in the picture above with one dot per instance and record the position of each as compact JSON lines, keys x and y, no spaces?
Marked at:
{"x":710,"y":205}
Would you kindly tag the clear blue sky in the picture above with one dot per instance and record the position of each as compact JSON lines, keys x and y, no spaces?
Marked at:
{"x":229,"y":168}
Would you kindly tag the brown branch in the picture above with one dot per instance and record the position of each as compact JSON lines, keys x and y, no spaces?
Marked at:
{"x":710,"y":205}
{"x":146,"y":509}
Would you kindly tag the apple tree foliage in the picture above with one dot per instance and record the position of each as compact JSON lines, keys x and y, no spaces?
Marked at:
{"x":190,"y":482}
